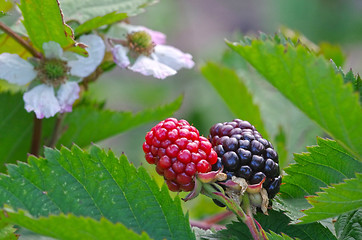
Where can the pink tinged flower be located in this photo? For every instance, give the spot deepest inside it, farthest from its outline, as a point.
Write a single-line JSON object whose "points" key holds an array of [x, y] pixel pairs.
{"points": [[120, 56], [148, 66], [157, 37], [66, 96], [16, 70], [173, 57], [84, 66], [42, 101]]}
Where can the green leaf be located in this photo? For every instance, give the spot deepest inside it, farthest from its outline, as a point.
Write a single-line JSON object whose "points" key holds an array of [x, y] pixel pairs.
{"points": [[349, 225], [234, 93], [7, 232], [278, 222], [76, 227], [324, 165], [9, 45], [5, 6], [43, 21], [334, 52], [274, 236], [16, 128], [96, 185], [281, 147], [310, 82], [88, 9], [99, 21], [17, 125], [335, 200], [79, 122]]}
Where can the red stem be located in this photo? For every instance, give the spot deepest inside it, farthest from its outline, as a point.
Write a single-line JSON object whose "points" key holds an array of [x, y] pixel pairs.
{"points": [[35, 142], [205, 225], [253, 230], [218, 217]]}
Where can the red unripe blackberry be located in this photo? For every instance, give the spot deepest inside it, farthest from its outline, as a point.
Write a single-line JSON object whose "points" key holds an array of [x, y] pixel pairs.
{"points": [[179, 152], [244, 153]]}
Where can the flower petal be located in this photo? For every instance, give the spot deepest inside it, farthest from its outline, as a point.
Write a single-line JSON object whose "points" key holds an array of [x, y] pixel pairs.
{"points": [[66, 95], [157, 37], [84, 66], [148, 66], [52, 50], [16, 70], [120, 56], [42, 101], [173, 57]]}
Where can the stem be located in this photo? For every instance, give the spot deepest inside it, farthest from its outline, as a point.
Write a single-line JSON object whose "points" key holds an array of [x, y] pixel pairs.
{"points": [[255, 232], [35, 142], [218, 217], [56, 131], [20, 40]]}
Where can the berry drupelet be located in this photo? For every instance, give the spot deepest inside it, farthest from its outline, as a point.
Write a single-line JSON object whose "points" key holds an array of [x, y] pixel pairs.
{"points": [[244, 153], [179, 152]]}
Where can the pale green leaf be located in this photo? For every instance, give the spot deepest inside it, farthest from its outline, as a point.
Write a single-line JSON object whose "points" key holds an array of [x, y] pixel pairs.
{"points": [[274, 236], [349, 225], [17, 125], [108, 123], [9, 45], [235, 94], [94, 184], [281, 147], [87, 9], [279, 223], [99, 21], [44, 22], [335, 200], [310, 82], [70, 227]]}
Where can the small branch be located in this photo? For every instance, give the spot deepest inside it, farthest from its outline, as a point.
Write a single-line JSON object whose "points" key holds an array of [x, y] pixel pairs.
{"points": [[20, 40], [56, 131], [35, 142], [218, 217]]}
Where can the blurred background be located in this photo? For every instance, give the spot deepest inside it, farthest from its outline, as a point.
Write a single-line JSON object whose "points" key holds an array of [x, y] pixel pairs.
{"points": [[200, 27]]}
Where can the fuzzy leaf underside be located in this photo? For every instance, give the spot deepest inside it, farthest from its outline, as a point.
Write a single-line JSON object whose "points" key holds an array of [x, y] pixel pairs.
{"points": [[335, 200], [96, 185], [16, 125], [43, 21], [234, 93], [88, 9], [279, 223], [99, 21], [76, 227], [349, 225], [310, 82]]}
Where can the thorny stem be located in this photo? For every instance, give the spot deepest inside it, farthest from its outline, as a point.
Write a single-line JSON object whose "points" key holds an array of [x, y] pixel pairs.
{"points": [[20, 40], [218, 217], [247, 217], [56, 131], [35, 142], [204, 225]]}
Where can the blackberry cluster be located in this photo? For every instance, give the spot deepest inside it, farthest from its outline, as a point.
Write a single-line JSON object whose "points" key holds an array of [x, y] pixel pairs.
{"points": [[179, 152], [246, 154]]}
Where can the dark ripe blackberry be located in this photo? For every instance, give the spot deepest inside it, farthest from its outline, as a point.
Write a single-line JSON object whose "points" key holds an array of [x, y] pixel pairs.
{"points": [[257, 178], [217, 165], [246, 154], [219, 150], [274, 187], [230, 161], [257, 162], [230, 144], [244, 172]]}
